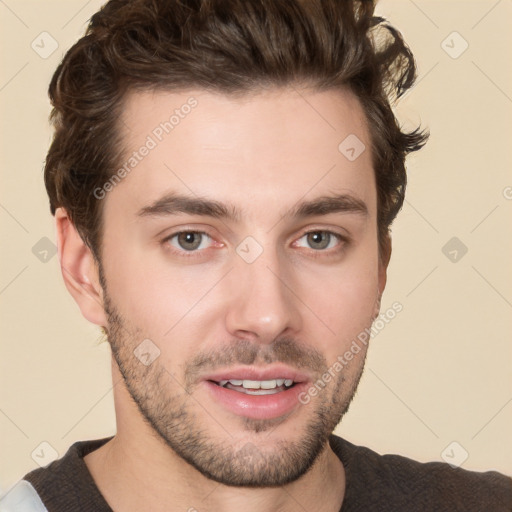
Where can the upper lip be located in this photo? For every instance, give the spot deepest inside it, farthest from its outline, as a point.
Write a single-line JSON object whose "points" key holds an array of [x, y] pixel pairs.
{"points": [[272, 372]]}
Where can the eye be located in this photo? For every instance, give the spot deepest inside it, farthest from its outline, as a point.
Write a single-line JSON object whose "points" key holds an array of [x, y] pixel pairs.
{"points": [[321, 240], [189, 241]]}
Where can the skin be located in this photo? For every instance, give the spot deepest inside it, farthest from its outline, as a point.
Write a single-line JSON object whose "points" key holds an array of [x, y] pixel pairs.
{"points": [[299, 303]]}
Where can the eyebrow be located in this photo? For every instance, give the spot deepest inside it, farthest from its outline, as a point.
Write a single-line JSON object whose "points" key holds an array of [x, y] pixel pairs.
{"points": [[172, 204]]}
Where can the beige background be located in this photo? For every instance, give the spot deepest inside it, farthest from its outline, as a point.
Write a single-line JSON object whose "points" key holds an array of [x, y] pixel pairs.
{"points": [[438, 373]]}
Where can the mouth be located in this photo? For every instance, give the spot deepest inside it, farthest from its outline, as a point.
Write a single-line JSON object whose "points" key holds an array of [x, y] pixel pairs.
{"points": [[257, 387], [258, 393]]}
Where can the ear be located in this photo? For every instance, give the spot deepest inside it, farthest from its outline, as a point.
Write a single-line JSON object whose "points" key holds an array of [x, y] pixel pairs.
{"points": [[384, 257], [79, 270]]}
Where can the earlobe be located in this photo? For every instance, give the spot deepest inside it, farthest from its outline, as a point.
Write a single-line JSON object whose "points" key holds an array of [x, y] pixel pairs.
{"points": [[79, 270], [376, 307]]}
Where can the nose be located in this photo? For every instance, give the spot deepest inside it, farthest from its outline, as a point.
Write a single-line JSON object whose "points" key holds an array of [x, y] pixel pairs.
{"points": [[262, 304]]}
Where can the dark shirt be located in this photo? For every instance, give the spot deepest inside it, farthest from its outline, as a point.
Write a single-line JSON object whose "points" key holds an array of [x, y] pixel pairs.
{"points": [[374, 483]]}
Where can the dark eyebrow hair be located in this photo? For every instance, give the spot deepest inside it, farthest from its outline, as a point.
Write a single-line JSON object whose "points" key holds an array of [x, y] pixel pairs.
{"points": [[172, 204], [324, 205]]}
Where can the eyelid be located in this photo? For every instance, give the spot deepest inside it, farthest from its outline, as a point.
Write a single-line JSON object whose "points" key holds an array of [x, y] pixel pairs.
{"points": [[166, 241], [174, 234], [342, 238], [188, 229]]}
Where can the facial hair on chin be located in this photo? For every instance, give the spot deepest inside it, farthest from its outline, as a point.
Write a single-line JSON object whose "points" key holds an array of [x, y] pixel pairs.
{"points": [[165, 405]]}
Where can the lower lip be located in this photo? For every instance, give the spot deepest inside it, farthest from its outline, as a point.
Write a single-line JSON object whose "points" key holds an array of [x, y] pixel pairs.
{"points": [[257, 407]]}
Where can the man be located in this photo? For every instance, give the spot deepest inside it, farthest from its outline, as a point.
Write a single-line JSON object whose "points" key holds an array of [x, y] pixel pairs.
{"points": [[223, 177]]}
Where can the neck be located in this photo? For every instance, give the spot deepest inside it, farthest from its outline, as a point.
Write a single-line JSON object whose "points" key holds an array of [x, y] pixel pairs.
{"points": [[136, 476]]}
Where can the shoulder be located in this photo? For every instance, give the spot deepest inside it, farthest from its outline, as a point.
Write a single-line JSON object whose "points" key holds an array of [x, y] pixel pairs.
{"points": [[22, 497], [404, 482], [64, 484]]}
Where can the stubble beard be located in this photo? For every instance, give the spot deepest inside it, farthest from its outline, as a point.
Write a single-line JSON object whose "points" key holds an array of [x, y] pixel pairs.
{"points": [[168, 407]]}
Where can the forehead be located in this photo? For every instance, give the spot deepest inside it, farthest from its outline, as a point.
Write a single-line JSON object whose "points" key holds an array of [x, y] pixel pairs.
{"points": [[256, 151]]}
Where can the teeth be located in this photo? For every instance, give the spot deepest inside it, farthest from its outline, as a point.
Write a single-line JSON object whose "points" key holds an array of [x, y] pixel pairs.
{"points": [[251, 384], [257, 384]]}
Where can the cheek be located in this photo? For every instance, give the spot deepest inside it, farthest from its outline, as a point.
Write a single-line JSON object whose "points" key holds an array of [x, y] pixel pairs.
{"points": [[342, 300], [345, 303], [156, 298], [336, 302]]}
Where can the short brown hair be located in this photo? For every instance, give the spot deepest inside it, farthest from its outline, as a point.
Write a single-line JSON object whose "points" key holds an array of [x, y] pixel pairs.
{"points": [[229, 46]]}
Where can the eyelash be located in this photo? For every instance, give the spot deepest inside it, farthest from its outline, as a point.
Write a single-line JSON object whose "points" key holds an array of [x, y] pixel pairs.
{"points": [[316, 253]]}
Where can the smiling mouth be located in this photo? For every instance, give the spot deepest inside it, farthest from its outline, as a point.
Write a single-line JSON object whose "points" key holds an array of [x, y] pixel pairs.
{"points": [[257, 387]]}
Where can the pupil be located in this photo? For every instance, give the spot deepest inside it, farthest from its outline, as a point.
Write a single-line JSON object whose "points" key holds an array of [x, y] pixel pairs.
{"points": [[189, 241], [319, 238]]}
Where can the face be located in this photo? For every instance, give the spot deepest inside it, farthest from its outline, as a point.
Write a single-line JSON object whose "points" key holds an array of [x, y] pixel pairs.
{"points": [[239, 261]]}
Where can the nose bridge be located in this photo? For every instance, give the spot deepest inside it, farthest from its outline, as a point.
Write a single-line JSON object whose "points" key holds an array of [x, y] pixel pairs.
{"points": [[261, 304]]}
